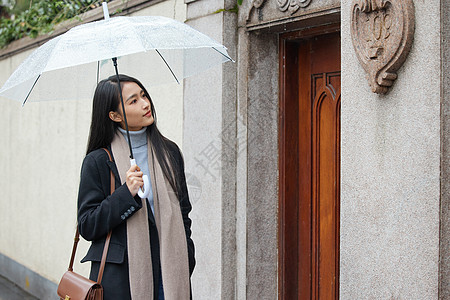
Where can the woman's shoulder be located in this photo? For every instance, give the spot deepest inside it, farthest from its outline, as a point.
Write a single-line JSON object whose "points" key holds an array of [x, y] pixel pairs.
{"points": [[97, 154], [96, 157]]}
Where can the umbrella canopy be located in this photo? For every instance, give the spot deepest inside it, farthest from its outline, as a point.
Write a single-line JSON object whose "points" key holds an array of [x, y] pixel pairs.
{"points": [[169, 49]]}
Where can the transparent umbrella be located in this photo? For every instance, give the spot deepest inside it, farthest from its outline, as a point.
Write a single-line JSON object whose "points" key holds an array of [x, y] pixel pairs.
{"points": [[172, 51], [167, 49]]}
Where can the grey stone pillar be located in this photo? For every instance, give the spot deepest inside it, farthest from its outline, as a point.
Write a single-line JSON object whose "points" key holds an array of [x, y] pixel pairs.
{"points": [[444, 288], [209, 145], [262, 168]]}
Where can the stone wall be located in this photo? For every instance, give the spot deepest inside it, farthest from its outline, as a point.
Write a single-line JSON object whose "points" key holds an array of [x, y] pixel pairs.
{"points": [[390, 170]]}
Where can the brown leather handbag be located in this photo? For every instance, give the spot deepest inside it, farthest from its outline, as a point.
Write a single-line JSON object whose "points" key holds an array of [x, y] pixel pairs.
{"points": [[73, 286]]}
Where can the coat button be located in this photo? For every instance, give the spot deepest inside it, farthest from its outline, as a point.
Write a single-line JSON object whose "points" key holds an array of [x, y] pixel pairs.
{"points": [[132, 208], [129, 211], [125, 214], [122, 217]]}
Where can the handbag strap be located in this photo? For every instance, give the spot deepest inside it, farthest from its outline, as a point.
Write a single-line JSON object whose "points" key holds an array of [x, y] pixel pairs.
{"points": [[108, 237]]}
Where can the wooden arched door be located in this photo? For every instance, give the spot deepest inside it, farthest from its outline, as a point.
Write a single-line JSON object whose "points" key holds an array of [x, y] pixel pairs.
{"points": [[309, 165]]}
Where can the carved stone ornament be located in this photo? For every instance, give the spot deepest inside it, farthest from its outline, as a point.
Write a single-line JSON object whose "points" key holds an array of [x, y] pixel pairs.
{"points": [[254, 4], [292, 5], [382, 33]]}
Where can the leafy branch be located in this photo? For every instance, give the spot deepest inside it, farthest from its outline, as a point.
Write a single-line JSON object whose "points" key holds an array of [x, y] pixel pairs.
{"points": [[40, 17], [235, 9]]}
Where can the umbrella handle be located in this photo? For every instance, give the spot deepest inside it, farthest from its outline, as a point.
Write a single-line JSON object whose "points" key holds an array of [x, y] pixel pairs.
{"points": [[143, 193]]}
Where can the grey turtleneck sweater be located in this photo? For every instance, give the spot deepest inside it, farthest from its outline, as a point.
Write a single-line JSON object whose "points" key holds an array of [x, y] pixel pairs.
{"points": [[140, 153]]}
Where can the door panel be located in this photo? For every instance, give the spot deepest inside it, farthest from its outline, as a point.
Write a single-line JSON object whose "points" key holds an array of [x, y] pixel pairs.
{"points": [[309, 166], [325, 183]]}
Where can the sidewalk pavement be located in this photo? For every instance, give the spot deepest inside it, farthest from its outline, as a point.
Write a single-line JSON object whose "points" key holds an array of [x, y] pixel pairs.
{"points": [[10, 291]]}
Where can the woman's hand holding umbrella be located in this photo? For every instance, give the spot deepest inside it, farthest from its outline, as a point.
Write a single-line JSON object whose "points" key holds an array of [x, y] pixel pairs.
{"points": [[134, 179], [142, 193]]}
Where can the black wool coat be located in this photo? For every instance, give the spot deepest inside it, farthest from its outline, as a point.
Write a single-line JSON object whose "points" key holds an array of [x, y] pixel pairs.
{"points": [[99, 212]]}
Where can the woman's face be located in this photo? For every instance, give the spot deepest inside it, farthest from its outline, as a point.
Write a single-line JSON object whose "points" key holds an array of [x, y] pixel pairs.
{"points": [[137, 108]]}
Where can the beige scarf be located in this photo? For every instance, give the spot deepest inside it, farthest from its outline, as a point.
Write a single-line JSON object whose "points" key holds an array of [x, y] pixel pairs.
{"points": [[172, 236]]}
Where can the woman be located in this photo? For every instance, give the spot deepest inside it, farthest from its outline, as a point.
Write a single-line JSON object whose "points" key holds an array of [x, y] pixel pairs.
{"points": [[151, 254]]}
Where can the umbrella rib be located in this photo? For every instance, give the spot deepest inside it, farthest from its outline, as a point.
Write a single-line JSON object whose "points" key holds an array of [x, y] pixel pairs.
{"points": [[98, 70], [224, 54], [28, 95], [173, 74]]}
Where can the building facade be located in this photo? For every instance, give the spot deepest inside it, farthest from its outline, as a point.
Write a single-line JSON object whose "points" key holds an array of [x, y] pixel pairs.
{"points": [[317, 163], [335, 184]]}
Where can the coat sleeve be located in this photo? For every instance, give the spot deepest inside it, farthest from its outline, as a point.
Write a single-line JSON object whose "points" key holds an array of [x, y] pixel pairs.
{"points": [[99, 212], [186, 208]]}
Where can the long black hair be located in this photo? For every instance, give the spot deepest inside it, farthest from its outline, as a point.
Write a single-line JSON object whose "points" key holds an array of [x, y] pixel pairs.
{"points": [[103, 129]]}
